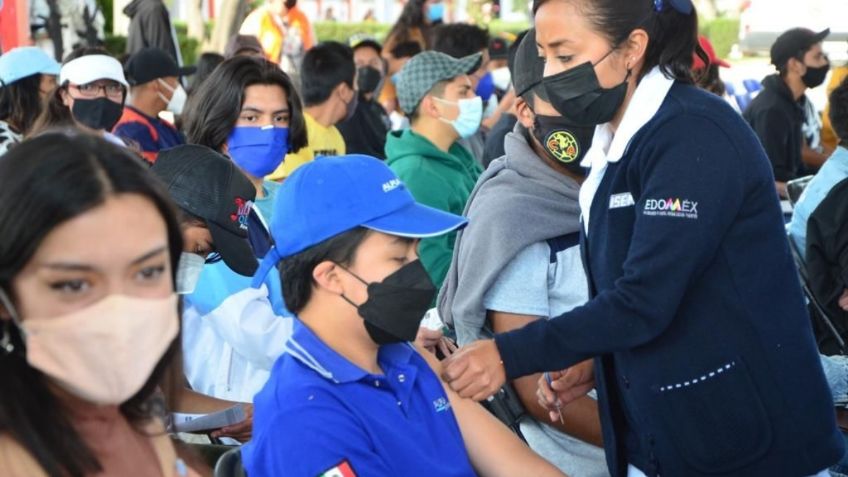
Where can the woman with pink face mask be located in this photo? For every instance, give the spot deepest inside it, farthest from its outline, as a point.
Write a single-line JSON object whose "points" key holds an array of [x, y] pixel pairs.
{"points": [[88, 315]]}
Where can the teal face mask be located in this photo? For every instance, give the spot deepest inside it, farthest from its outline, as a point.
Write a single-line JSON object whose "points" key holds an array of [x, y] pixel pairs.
{"points": [[470, 115]]}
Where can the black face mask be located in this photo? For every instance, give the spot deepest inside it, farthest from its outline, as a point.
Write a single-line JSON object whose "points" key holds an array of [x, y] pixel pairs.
{"points": [[395, 306], [814, 77], [577, 95], [368, 78], [100, 113], [563, 142]]}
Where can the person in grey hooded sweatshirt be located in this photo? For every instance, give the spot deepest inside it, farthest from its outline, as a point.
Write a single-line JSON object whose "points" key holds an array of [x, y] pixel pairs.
{"points": [[519, 259]]}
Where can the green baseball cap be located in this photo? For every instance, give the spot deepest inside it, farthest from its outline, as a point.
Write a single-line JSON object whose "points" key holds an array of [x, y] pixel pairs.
{"points": [[424, 70]]}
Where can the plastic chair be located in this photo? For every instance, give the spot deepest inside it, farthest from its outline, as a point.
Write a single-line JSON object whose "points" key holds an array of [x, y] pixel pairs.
{"points": [[818, 309], [796, 187], [229, 464], [743, 100], [752, 85]]}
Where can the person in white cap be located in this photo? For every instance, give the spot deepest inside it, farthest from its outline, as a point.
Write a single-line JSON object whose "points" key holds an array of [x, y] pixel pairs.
{"points": [[27, 76], [91, 94]]}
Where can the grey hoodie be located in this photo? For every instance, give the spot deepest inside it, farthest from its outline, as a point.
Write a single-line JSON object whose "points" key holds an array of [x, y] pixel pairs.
{"points": [[518, 201]]}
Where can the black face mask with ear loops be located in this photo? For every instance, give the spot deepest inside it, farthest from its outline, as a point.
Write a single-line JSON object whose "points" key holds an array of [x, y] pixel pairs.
{"points": [[578, 96], [396, 305]]}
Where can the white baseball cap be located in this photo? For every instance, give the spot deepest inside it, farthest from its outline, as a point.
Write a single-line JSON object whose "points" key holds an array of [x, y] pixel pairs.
{"points": [[90, 68]]}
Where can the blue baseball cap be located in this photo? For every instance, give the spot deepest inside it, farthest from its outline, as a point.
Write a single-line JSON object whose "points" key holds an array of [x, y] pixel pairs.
{"points": [[25, 61], [331, 195]]}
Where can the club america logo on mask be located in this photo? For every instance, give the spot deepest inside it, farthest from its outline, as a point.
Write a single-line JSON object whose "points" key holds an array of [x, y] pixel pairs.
{"points": [[563, 146]]}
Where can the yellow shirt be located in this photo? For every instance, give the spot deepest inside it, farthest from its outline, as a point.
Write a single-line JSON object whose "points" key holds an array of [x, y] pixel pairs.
{"points": [[323, 141], [828, 136]]}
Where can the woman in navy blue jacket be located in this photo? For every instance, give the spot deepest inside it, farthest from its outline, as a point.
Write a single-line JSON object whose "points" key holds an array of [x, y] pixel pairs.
{"points": [[704, 358]]}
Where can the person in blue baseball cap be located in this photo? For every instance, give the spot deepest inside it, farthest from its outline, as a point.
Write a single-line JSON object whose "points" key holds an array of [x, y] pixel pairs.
{"points": [[351, 395], [27, 76]]}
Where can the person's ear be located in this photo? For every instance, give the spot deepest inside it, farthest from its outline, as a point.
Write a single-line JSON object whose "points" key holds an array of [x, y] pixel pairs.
{"points": [[796, 66], [525, 115], [327, 276], [341, 92], [66, 98], [429, 107], [635, 48]]}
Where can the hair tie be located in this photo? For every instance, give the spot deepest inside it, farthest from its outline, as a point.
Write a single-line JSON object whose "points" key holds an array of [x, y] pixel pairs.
{"points": [[682, 6]]}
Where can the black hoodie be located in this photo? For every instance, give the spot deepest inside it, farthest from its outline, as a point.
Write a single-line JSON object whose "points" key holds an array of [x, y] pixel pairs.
{"points": [[150, 26], [777, 119]]}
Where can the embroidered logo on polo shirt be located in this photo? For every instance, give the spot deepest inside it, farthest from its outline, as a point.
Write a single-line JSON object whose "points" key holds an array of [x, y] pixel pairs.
{"points": [[344, 469], [671, 207], [441, 405], [619, 201]]}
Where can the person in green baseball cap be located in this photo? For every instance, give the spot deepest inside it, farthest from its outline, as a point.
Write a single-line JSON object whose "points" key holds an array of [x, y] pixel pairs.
{"points": [[435, 92]]}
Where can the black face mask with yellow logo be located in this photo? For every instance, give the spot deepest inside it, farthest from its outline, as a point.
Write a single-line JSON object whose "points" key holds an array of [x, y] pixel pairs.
{"points": [[564, 143]]}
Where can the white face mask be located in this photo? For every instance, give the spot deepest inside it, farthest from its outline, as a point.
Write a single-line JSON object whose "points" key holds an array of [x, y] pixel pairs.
{"points": [[491, 107], [501, 78], [178, 97], [188, 272], [106, 352]]}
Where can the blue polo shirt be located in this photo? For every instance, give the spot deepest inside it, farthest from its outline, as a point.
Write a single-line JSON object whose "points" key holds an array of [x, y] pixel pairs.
{"points": [[320, 412]]}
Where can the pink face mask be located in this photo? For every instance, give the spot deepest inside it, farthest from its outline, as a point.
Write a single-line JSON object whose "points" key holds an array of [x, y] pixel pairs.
{"points": [[106, 352]]}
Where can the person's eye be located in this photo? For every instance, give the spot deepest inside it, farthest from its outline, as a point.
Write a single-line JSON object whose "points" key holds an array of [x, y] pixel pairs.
{"points": [[86, 88], [114, 89], [401, 259], [151, 273], [282, 119], [251, 118], [565, 59], [70, 286]]}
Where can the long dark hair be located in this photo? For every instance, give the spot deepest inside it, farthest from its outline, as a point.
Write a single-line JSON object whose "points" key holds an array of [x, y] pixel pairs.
{"points": [[55, 114], [212, 112], [412, 16], [53, 178], [20, 103], [673, 36]]}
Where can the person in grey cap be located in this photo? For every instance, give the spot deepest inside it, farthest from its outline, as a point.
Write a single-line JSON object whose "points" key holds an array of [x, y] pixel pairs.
{"points": [[435, 92], [518, 261]]}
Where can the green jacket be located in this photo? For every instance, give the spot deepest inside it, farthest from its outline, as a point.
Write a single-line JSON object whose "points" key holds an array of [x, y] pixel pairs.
{"points": [[442, 180]]}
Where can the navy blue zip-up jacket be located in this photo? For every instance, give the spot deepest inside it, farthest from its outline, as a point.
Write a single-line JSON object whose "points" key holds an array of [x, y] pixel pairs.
{"points": [[705, 360]]}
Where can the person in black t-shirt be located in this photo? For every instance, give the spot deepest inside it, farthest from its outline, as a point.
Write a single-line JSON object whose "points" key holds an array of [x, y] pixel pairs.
{"points": [[365, 132]]}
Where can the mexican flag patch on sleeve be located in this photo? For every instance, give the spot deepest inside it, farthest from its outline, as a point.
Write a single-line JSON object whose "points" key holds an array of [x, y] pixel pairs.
{"points": [[343, 469]]}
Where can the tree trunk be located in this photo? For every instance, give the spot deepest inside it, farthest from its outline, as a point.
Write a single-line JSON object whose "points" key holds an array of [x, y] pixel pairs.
{"points": [[230, 17], [196, 27]]}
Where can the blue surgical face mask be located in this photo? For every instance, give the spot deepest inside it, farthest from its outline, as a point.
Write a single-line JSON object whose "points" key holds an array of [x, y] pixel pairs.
{"points": [[470, 115], [258, 150], [435, 12]]}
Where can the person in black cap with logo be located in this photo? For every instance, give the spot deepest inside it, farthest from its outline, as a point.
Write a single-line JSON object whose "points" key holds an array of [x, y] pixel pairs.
{"points": [[514, 265], [777, 113], [154, 79], [214, 199]]}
